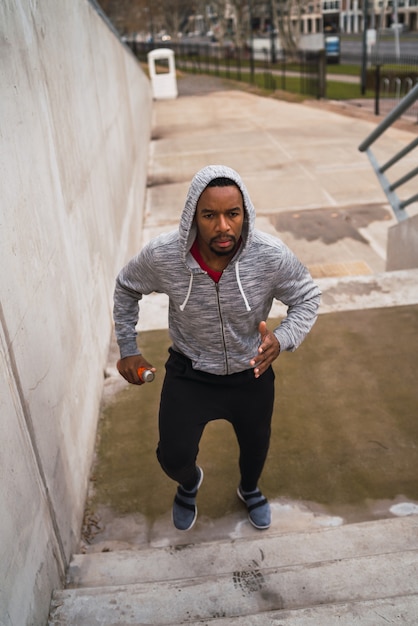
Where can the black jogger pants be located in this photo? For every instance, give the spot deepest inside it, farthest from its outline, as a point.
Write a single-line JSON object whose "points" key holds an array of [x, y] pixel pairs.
{"points": [[191, 398]]}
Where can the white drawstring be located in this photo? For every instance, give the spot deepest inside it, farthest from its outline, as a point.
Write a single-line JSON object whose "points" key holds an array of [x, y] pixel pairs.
{"points": [[183, 306], [247, 306]]}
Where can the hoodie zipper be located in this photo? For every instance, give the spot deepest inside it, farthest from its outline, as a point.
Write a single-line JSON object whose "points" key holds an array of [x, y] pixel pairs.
{"points": [[222, 327]]}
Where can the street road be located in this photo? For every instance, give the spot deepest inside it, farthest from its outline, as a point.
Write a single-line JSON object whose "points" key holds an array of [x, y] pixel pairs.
{"points": [[353, 46]]}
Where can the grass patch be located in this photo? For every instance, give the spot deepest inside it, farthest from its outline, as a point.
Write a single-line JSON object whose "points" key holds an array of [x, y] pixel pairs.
{"points": [[280, 85], [344, 70], [345, 91]]}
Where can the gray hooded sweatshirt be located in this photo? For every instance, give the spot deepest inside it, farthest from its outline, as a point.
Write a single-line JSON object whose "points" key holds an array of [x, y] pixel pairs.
{"points": [[215, 325]]}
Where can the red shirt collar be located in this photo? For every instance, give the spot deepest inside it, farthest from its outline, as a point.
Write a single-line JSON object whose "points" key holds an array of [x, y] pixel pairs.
{"points": [[214, 274]]}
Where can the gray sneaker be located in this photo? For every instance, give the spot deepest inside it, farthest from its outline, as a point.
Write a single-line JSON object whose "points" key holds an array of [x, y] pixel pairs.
{"points": [[184, 505], [258, 508]]}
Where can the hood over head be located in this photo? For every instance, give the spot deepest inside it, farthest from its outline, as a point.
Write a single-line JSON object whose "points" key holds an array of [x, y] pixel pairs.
{"points": [[187, 228]]}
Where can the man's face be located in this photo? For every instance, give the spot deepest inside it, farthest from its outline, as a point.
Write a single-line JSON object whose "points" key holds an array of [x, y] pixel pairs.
{"points": [[219, 220]]}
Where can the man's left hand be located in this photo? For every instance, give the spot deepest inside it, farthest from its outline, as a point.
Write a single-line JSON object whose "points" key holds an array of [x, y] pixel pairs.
{"points": [[268, 351]]}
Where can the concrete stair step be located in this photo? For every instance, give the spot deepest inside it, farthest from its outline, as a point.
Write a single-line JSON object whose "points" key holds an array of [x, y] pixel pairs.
{"points": [[354, 568], [369, 613], [372, 291], [261, 550]]}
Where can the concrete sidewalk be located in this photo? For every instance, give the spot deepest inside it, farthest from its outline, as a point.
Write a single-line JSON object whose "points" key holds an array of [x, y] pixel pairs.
{"points": [[301, 164], [345, 428]]}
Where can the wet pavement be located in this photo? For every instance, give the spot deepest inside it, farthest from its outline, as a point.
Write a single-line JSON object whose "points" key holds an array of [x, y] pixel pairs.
{"points": [[345, 428]]}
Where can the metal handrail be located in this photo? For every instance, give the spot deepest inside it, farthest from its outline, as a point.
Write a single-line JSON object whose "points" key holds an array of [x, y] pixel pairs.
{"points": [[388, 187]]}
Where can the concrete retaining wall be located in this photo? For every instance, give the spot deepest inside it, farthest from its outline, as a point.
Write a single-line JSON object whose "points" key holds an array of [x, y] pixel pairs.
{"points": [[75, 119]]}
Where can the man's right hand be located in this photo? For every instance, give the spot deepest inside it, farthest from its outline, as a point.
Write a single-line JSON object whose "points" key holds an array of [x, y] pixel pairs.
{"points": [[128, 368]]}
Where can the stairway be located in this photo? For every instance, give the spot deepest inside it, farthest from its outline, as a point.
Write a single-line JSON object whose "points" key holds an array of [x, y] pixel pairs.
{"points": [[364, 573], [355, 574]]}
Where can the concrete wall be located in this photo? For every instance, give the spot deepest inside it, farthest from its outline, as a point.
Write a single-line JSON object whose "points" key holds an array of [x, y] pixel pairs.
{"points": [[402, 248], [75, 119]]}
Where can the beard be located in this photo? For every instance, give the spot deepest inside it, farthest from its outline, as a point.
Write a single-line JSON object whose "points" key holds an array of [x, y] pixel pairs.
{"points": [[221, 252]]}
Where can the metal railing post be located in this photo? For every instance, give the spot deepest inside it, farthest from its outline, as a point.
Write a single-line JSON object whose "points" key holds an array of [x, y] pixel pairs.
{"points": [[377, 90], [388, 187]]}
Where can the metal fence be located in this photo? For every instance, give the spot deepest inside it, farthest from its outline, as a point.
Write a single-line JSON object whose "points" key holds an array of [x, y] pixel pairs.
{"points": [[392, 78], [300, 72]]}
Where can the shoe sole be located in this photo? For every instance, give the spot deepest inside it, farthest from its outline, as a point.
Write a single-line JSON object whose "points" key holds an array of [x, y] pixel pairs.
{"points": [[240, 496], [200, 479]]}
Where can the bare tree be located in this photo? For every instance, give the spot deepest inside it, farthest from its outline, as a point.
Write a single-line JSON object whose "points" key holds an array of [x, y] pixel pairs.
{"points": [[126, 15], [148, 16], [289, 13], [241, 20], [174, 15], [219, 26], [171, 16]]}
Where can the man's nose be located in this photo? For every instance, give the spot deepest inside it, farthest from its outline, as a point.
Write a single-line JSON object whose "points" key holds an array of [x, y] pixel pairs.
{"points": [[223, 224]]}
